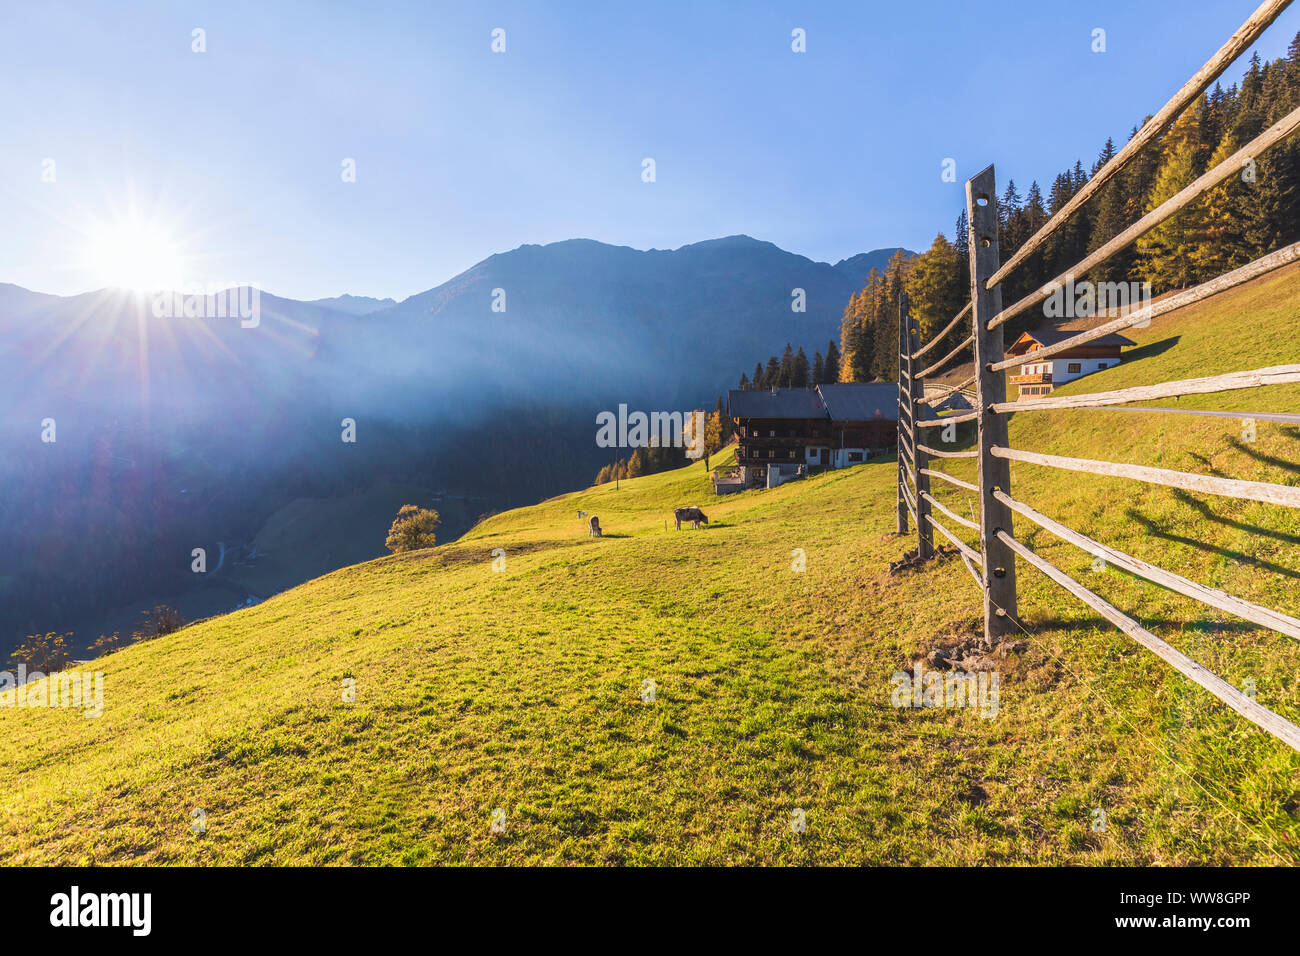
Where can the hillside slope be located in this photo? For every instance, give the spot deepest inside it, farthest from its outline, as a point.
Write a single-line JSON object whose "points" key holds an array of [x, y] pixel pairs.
{"points": [[181, 431], [521, 688]]}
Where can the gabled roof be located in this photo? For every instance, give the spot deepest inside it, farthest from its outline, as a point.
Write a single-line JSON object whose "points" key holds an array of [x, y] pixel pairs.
{"points": [[860, 401], [1043, 337], [844, 402], [775, 403]]}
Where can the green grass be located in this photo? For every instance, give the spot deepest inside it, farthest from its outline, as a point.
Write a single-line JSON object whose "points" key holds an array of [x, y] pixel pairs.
{"points": [[521, 688]]}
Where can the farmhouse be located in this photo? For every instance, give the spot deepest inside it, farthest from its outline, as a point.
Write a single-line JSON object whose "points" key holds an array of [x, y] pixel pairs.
{"points": [[784, 432], [1039, 378]]}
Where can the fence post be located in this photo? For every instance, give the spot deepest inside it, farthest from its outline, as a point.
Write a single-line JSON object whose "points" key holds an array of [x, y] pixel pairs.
{"points": [[990, 387], [916, 391], [904, 405]]}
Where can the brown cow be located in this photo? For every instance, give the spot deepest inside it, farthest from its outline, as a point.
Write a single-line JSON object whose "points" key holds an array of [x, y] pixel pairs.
{"points": [[692, 514], [593, 527]]}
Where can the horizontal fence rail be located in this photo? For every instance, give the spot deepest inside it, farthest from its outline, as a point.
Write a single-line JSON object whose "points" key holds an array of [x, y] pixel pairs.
{"points": [[1257, 714], [1284, 495], [1275, 620], [965, 311], [992, 564], [1247, 273], [1276, 375], [1285, 418]]}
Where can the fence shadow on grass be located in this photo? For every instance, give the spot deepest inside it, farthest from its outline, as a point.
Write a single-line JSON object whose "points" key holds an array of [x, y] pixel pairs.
{"points": [[1239, 556], [1101, 624], [1262, 458]]}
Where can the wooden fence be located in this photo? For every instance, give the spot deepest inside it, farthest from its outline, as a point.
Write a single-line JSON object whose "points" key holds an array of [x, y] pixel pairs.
{"points": [[992, 565]]}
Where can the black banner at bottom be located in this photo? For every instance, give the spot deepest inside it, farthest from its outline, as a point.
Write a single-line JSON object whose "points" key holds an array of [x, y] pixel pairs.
{"points": [[304, 905]]}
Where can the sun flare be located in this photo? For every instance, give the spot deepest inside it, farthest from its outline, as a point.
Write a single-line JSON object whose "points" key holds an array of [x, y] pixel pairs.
{"points": [[132, 255]]}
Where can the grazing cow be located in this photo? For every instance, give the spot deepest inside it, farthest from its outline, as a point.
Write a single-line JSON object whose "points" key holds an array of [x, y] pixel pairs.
{"points": [[692, 514], [593, 527]]}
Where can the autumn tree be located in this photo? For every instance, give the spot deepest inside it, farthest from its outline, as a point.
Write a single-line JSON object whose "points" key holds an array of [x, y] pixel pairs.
{"points": [[413, 529], [46, 653]]}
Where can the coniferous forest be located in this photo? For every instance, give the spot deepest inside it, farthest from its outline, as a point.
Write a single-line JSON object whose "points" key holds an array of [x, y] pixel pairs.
{"points": [[1251, 214]]}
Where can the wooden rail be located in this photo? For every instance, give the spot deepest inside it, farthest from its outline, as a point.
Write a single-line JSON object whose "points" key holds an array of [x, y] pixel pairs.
{"points": [[1252, 270], [1275, 375], [993, 565], [966, 343], [947, 420], [965, 311], [1284, 495], [1275, 620], [1256, 713]]}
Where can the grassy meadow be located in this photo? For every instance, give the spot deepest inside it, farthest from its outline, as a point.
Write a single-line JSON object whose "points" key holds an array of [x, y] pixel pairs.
{"points": [[507, 670]]}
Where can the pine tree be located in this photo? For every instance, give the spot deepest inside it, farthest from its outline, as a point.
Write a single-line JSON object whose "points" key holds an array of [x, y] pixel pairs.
{"points": [[787, 367], [725, 427], [636, 464], [934, 287], [1167, 249], [832, 363], [800, 373], [818, 368], [772, 375], [1219, 221]]}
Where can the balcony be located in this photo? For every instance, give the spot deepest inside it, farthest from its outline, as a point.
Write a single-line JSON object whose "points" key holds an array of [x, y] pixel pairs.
{"points": [[1037, 378], [747, 454]]}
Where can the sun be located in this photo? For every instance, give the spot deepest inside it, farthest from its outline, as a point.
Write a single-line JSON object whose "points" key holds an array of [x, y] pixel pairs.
{"points": [[135, 255]]}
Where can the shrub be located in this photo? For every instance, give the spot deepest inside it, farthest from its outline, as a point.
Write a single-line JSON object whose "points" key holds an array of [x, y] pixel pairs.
{"points": [[110, 643], [46, 653], [412, 529], [161, 620]]}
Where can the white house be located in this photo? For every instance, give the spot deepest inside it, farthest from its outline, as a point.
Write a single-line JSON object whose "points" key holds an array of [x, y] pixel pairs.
{"points": [[1041, 377]]}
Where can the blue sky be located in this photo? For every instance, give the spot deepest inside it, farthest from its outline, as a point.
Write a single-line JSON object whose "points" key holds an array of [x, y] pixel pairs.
{"points": [[460, 152]]}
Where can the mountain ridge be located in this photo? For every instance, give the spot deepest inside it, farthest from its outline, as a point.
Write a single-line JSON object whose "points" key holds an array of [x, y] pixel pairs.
{"points": [[201, 430]]}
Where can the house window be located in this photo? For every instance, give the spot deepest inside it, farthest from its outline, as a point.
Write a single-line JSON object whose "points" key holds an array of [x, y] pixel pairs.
{"points": [[855, 456], [792, 452], [1074, 367]]}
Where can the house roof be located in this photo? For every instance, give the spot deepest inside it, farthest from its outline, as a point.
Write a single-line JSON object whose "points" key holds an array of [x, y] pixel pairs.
{"points": [[845, 402], [775, 403], [1044, 337], [860, 401]]}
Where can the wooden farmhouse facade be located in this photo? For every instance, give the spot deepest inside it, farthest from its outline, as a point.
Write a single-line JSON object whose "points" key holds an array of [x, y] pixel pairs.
{"points": [[784, 433], [1040, 378]]}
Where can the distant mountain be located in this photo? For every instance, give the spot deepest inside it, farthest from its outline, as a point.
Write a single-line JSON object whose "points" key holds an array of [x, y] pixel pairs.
{"points": [[15, 301], [583, 322], [182, 432], [355, 304], [858, 267]]}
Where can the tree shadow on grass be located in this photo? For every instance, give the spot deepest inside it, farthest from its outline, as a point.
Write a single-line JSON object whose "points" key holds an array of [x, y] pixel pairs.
{"points": [[1151, 349]]}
